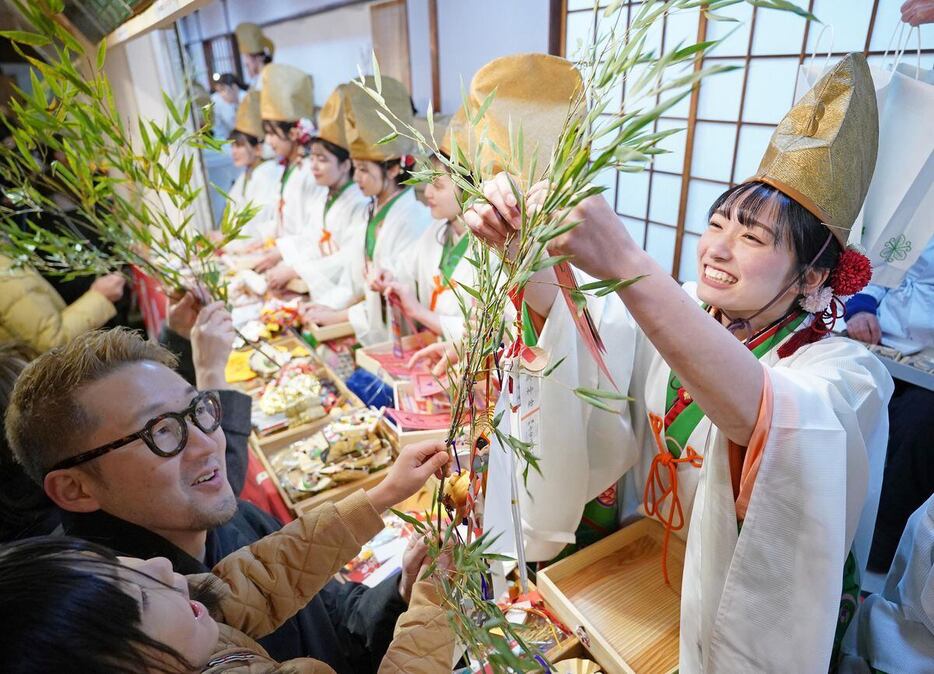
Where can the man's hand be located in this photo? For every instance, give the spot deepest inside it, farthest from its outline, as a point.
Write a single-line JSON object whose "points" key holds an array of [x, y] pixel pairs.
{"points": [[414, 465], [110, 286], [182, 315], [865, 327], [415, 563], [212, 338], [415, 556]]}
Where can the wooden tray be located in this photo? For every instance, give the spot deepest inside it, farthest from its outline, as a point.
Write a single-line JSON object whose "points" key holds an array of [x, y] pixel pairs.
{"points": [[327, 333], [266, 448], [288, 435], [403, 437], [409, 343], [612, 595]]}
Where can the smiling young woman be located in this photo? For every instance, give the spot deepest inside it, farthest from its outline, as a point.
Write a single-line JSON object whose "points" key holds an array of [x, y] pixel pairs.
{"points": [[749, 433]]}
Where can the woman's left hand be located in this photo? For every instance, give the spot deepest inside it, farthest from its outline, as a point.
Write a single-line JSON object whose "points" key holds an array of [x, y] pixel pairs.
{"points": [[279, 276], [379, 280], [406, 296], [598, 244], [317, 314]]}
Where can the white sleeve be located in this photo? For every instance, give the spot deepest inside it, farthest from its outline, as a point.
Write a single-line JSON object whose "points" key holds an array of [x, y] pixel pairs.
{"points": [[583, 450], [782, 582]]}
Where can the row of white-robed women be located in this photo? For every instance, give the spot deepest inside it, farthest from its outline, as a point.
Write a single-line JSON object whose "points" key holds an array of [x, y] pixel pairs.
{"points": [[335, 212], [753, 433]]}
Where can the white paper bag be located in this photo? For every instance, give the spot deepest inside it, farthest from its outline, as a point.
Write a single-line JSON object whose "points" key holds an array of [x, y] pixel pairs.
{"points": [[896, 221]]}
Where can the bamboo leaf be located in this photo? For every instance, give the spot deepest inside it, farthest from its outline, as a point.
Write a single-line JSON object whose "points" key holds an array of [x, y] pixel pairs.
{"points": [[484, 106], [101, 54], [24, 37], [549, 262], [595, 402], [377, 78], [173, 110], [601, 394], [557, 231], [554, 366]]}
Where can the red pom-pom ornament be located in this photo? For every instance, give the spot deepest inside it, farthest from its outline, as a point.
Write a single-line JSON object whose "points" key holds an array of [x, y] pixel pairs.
{"points": [[853, 273]]}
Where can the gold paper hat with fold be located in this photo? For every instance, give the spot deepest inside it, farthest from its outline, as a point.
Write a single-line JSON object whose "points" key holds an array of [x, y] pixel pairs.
{"points": [[363, 127], [331, 123], [534, 92], [823, 152], [287, 94], [252, 40], [249, 120]]}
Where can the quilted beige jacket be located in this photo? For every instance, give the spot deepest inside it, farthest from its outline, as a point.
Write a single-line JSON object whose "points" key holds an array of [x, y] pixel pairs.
{"points": [[264, 584], [32, 311]]}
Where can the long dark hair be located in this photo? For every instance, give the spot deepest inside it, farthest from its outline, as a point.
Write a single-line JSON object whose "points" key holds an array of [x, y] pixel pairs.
{"points": [[230, 80], [403, 174], [244, 138], [792, 224], [339, 153], [63, 609]]}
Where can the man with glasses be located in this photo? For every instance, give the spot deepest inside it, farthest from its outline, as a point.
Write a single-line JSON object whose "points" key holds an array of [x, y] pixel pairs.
{"points": [[134, 456]]}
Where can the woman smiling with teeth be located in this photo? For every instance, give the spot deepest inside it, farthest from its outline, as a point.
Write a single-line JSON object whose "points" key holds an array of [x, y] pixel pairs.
{"points": [[751, 434]]}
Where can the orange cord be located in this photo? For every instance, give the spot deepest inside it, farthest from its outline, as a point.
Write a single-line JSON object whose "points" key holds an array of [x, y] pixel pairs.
{"points": [[656, 491]]}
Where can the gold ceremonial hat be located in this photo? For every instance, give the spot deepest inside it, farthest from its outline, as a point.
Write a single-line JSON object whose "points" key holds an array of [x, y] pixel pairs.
{"points": [[534, 92], [331, 118], [287, 94], [252, 40], [249, 120], [363, 126], [823, 152]]}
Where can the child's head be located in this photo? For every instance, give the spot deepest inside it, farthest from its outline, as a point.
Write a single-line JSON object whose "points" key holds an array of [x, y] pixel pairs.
{"points": [[69, 605]]}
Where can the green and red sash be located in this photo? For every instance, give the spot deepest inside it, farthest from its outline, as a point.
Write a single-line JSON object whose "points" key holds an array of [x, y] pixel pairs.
{"points": [[682, 414], [372, 227]]}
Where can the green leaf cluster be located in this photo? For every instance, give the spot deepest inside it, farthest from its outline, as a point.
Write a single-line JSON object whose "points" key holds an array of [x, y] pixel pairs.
{"points": [[116, 198]]}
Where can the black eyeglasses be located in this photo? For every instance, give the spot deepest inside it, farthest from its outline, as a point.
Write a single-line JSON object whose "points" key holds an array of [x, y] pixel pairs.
{"points": [[166, 435]]}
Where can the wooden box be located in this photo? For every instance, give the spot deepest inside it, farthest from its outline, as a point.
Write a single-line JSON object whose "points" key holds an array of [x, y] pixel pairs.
{"points": [[327, 333], [407, 437], [266, 448], [613, 597], [288, 435], [410, 343]]}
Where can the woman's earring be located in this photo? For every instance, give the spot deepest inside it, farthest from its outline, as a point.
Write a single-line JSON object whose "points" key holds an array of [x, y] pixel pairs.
{"points": [[817, 301]]}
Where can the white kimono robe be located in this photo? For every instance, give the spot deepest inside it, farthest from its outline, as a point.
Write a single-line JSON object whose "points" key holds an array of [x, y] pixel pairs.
{"points": [[404, 223], [427, 275], [329, 275], [583, 450], [261, 189], [765, 599], [894, 631], [296, 221]]}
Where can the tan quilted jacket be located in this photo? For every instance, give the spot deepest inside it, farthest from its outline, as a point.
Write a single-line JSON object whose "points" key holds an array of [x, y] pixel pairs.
{"points": [[264, 584], [32, 311]]}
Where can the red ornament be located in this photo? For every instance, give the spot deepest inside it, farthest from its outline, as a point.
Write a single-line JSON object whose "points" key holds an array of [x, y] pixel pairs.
{"points": [[853, 272]]}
